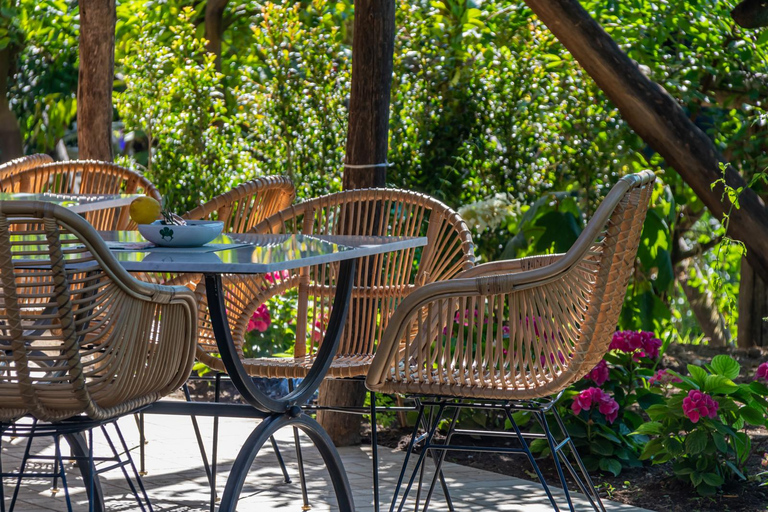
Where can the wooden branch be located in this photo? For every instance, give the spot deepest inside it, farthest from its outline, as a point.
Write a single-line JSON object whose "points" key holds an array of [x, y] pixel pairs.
{"points": [[660, 121], [11, 144], [95, 79], [696, 250], [751, 13]]}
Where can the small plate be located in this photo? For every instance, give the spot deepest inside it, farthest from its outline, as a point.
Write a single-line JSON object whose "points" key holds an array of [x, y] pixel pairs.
{"points": [[194, 234]]}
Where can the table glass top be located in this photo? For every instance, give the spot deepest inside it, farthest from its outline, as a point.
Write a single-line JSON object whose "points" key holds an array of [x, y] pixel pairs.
{"points": [[78, 203], [245, 253]]}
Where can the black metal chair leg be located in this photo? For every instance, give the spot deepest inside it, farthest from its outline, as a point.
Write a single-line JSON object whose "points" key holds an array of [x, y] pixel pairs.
{"points": [[374, 453], [300, 461], [116, 457], [597, 504], [142, 446], [280, 461], [136, 474], [58, 458], [22, 469], [555, 456], [443, 483], [531, 459], [430, 435], [439, 464], [414, 434], [2, 480]]}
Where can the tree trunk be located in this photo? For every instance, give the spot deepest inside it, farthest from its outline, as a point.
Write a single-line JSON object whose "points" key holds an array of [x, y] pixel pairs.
{"points": [[704, 308], [660, 121], [11, 144], [753, 309], [367, 141], [95, 79], [751, 13], [214, 27]]}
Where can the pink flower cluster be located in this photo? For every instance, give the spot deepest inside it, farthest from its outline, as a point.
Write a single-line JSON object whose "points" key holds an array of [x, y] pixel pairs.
{"points": [[260, 320], [277, 276], [632, 341], [699, 405], [662, 378], [762, 372], [596, 396], [599, 373]]}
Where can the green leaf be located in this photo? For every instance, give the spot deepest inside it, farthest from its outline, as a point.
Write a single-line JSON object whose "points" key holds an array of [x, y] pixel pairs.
{"points": [[726, 366], [720, 442], [696, 441], [651, 449], [719, 384], [611, 465], [648, 399], [601, 447], [705, 489], [698, 374], [712, 479], [650, 428], [752, 415]]}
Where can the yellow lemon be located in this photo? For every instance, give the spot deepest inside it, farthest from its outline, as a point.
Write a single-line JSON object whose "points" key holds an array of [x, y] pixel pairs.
{"points": [[145, 210]]}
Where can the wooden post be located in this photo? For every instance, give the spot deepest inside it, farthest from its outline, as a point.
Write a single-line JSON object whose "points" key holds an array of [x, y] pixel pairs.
{"points": [[11, 145], [95, 79], [214, 27], [367, 141], [660, 121]]}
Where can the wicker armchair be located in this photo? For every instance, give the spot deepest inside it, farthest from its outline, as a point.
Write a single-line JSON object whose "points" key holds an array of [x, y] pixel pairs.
{"points": [[384, 280], [84, 177], [247, 204], [23, 163], [521, 330], [104, 344]]}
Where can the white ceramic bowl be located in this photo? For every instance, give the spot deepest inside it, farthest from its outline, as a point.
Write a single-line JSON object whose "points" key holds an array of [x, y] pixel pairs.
{"points": [[194, 234]]}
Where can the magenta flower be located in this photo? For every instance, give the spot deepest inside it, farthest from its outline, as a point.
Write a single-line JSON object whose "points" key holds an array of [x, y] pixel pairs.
{"points": [[662, 378], [260, 320], [599, 373], [606, 405], [631, 342], [699, 405], [762, 372], [277, 276]]}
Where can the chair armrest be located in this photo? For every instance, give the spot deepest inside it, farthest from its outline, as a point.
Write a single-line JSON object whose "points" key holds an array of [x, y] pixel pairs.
{"points": [[510, 266]]}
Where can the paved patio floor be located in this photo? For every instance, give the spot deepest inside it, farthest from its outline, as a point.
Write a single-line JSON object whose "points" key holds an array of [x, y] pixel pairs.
{"points": [[176, 480]]}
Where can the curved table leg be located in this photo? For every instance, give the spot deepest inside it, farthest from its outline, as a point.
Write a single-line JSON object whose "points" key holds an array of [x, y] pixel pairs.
{"points": [[229, 355], [261, 435]]}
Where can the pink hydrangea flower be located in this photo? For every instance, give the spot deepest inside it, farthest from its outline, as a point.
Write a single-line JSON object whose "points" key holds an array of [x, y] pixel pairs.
{"points": [[260, 320], [762, 372], [639, 343], [606, 405], [599, 373], [699, 405], [277, 276], [317, 331], [662, 378]]}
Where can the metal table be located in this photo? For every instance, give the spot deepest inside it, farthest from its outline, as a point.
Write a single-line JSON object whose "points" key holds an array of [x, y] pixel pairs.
{"points": [[78, 203], [256, 254]]}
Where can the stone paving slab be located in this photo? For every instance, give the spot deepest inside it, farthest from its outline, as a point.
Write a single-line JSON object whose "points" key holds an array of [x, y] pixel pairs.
{"points": [[176, 480]]}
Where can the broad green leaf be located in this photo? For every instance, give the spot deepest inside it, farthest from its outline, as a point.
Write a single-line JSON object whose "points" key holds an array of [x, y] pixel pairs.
{"points": [[652, 428], [752, 415], [712, 479], [611, 465], [696, 441], [726, 366], [698, 374]]}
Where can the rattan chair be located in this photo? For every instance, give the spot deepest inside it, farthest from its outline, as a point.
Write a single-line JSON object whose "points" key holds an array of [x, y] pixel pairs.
{"points": [[84, 177], [382, 281], [83, 342], [247, 204], [515, 332], [23, 163]]}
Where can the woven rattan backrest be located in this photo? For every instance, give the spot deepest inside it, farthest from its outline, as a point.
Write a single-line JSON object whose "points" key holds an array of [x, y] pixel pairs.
{"points": [[84, 177], [23, 163], [78, 334], [247, 204], [523, 328], [382, 281]]}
